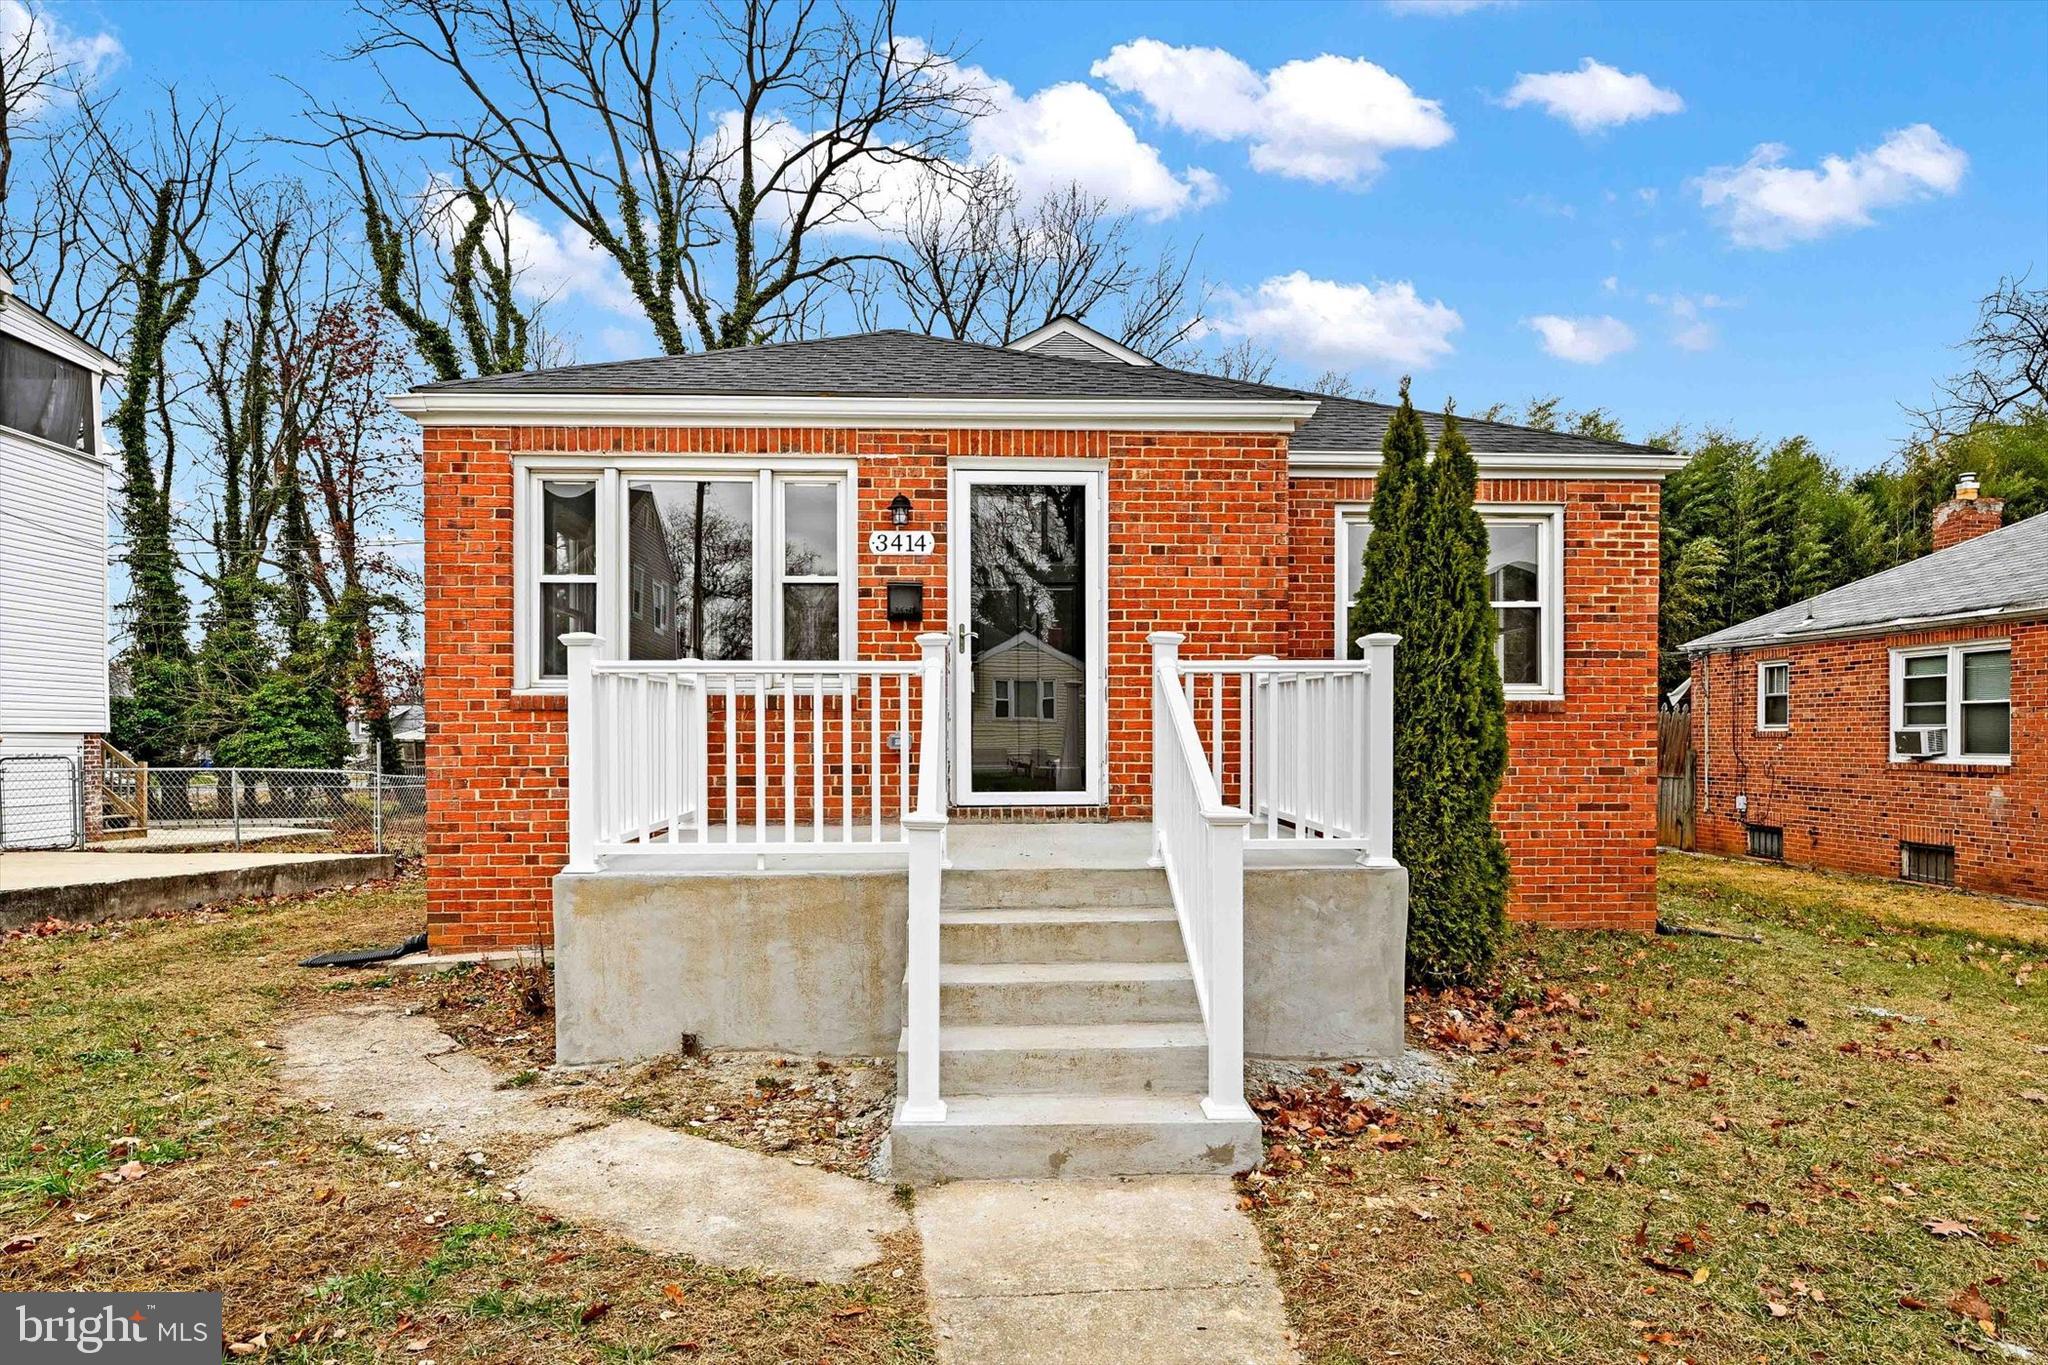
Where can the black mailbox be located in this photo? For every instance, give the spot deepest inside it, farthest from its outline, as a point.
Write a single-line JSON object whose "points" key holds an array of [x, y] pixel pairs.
{"points": [[906, 601]]}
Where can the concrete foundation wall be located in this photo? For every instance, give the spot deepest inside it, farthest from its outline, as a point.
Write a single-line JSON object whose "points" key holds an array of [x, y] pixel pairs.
{"points": [[813, 963], [1325, 960], [793, 962]]}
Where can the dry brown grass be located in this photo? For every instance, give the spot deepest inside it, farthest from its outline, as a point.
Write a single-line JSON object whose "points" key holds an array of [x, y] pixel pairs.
{"points": [[149, 1042], [1699, 1149], [1876, 898]]}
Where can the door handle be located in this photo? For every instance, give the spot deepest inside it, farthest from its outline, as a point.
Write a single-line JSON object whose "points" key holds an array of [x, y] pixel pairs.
{"points": [[965, 635]]}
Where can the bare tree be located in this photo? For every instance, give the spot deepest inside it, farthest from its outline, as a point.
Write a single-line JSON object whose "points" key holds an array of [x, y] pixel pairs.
{"points": [[713, 191], [1247, 360], [2009, 370], [979, 264]]}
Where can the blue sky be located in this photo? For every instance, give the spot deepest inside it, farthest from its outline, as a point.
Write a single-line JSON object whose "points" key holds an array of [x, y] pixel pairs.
{"points": [[1376, 188]]}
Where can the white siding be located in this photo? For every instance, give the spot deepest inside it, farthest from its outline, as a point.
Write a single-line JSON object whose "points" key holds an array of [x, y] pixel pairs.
{"points": [[53, 588]]}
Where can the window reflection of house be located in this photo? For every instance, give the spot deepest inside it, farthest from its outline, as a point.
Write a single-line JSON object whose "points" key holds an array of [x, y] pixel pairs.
{"points": [[1028, 714], [650, 629]]}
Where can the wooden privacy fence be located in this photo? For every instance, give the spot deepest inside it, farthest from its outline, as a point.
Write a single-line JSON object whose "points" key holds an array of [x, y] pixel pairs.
{"points": [[1676, 815]]}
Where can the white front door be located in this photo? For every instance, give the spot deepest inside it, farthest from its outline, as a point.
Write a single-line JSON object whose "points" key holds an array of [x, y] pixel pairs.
{"points": [[1028, 546]]}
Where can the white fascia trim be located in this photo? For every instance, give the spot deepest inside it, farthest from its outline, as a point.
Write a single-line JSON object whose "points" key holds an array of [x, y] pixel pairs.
{"points": [[666, 410], [1067, 327], [1624, 464], [24, 321], [1901, 625]]}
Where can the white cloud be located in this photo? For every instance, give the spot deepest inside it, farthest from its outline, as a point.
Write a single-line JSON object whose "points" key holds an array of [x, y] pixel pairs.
{"points": [[551, 264], [1339, 325], [1611, 284], [1765, 203], [1069, 133], [1594, 98], [1583, 340], [1328, 119], [1691, 329], [71, 60]]}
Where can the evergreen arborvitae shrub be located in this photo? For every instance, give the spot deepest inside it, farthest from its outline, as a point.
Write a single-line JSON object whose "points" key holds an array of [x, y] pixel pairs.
{"points": [[1459, 731], [1424, 579]]}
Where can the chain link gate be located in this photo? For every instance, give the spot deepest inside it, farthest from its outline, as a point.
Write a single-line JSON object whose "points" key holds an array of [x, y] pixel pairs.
{"points": [[40, 803]]}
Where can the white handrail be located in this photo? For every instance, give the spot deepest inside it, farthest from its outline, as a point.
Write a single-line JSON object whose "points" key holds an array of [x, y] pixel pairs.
{"points": [[1201, 842], [925, 830]]}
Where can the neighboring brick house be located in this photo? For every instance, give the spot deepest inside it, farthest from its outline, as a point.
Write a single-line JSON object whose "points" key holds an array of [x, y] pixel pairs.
{"points": [[1232, 512], [1891, 726]]}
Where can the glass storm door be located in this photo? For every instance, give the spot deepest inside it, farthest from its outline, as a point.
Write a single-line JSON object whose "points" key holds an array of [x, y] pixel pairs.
{"points": [[1027, 636]]}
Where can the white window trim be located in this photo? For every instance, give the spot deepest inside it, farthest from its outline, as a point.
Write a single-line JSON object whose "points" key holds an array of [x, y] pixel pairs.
{"points": [[1763, 671], [1000, 705], [1953, 720], [1550, 575], [611, 473]]}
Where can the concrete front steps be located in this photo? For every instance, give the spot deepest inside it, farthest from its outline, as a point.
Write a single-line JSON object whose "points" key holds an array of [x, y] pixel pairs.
{"points": [[1070, 1037]]}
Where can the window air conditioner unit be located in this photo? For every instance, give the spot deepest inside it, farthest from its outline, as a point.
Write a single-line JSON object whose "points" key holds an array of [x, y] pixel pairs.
{"points": [[1920, 743]]}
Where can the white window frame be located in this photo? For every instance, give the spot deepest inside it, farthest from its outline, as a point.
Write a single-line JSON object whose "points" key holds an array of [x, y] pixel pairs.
{"points": [[612, 475], [780, 580], [999, 703], [1953, 703], [1550, 584], [1763, 673]]}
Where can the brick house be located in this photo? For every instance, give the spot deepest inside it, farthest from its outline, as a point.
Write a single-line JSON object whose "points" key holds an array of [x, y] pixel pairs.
{"points": [[1075, 617], [1883, 727]]}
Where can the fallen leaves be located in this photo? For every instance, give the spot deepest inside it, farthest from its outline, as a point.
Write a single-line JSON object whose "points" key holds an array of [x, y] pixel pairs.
{"points": [[594, 1312], [1969, 1302], [1949, 1227]]}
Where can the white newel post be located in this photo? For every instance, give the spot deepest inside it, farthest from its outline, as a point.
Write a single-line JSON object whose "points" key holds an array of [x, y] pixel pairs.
{"points": [[1379, 749], [1227, 830], [583, 774], [924, 830], [1165, 666]]}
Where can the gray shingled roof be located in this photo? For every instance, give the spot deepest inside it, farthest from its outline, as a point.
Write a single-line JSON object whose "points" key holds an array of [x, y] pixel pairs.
{"points": [[895, 364], [2002, 573]]}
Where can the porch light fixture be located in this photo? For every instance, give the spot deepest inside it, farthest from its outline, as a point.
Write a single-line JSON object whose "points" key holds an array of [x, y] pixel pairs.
{"points": [[899, 510]]}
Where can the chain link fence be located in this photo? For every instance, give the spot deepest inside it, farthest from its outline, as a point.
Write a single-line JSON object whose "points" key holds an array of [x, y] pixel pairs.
{"points": [[40, 802], [289, 810]]}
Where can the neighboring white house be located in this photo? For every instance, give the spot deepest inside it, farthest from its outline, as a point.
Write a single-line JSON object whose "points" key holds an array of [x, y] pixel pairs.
{"points": [[53, 578]]}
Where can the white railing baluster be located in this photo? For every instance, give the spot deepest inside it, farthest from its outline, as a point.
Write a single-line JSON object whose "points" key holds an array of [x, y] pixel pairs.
{"points": [[875, 760], [818, 759], [584, 757], [760, 758]]}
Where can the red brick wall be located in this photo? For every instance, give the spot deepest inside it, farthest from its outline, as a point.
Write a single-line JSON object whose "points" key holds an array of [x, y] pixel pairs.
{"points": [[1579, 806], [1961, 519], [1187, 549], [1828, 781]]}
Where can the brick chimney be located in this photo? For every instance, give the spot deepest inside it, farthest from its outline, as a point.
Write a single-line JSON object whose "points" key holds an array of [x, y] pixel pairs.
{"points": [[1966, 515]]}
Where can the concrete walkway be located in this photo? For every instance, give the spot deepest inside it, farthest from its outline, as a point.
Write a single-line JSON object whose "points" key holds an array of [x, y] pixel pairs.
{"points": [[660, 1189], [87, 888], [1162, 1270]]}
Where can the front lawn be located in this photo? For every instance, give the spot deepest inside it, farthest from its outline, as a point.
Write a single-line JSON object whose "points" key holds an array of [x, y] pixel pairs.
{"points": [[145, 1143], [1832, 1146], [1828, 1146]]}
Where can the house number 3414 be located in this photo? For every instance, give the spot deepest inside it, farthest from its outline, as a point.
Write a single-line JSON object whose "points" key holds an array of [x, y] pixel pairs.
{"points": [[899, 542]]}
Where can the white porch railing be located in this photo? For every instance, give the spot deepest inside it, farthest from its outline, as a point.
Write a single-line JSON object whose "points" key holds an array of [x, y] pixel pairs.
{"points": [[705, 761], [738, 761], [1307, 747]]}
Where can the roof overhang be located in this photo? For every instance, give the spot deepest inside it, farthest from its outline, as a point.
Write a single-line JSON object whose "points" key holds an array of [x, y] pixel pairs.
{"points": [[1621, 463], [1988, 616], [26, 322], [454, 407]]}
